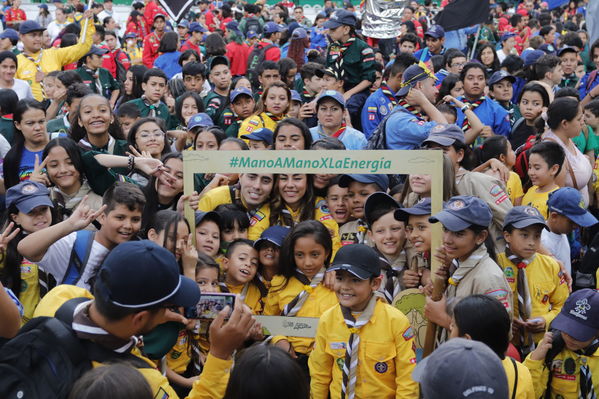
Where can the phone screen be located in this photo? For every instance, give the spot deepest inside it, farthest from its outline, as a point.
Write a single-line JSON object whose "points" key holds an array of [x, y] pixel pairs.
{"points": [[210, 305]]}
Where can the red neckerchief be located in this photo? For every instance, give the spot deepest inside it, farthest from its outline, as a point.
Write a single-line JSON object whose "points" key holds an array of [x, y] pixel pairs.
{"points": [[410, 108], [340, 131], [388, 93]]}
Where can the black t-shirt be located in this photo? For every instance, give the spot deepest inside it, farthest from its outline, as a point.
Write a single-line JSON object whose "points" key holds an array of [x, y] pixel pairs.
{"points": [[520, 134]]}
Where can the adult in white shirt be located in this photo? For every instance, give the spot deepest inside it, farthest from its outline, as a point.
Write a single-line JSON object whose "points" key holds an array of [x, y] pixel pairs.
{"points": [[58, 24], [8, 70], [107, 11], [508, 46]]}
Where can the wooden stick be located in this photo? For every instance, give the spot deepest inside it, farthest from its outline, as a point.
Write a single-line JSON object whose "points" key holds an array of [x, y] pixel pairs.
{"points": [[85, 21], [431, 329]]}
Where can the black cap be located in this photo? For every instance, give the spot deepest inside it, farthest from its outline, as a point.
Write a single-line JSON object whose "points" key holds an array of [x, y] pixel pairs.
{"points": [[358, 259], [378, 200]]}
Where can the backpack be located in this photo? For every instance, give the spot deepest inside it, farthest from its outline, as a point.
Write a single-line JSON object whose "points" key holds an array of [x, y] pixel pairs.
{"points": [[584, 276], [255, 59], [121, 71], [82, 248], [378, 139], [252, 24], [46, 358]]}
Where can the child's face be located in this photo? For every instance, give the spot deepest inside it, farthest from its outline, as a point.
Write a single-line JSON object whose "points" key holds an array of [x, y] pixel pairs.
{"points": [[150, 137], [580, 72], [155, 88], [49, 84], [539, 171], [289, 137], [353, 292], [206, 140], [258, 145], [421, 184], [388, 235], [524, 242], [531, 105], [61, 170], [358, 192], [39, 218], [294, 110], [207, 279], [309, 256], [561, 224], [337, 202], [231, 234], [331, 83], [569, 62], [120, 224], [314, 85], [243, 106], [502, 90], [590, 119], [220, 76], [557, 74], [510, 159], [418, 231], [276, 101], [575, 345], [126, 123], [189, 108], [292, 188], [169, 187], [174, 246], [460, 244], [451, 118], [458, 90], [269, 255], [241, 265], [208, 238], [193, 83]]}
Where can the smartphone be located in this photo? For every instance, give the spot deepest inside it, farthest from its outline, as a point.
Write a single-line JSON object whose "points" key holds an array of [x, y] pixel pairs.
{"points": [[210, 305]]}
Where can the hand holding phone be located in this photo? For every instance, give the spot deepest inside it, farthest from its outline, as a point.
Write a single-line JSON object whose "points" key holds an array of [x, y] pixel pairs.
{"points": [[210, 305]]}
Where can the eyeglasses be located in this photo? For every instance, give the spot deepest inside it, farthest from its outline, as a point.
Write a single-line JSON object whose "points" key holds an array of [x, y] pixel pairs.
{"points": [[459, 65]]}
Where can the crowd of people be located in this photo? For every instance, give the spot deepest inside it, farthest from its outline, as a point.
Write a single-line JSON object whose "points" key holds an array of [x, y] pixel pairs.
{"points": [[100, 266]]}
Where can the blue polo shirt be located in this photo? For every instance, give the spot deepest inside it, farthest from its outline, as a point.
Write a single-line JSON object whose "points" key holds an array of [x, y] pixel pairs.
{"points": [[425, 54], [406, 131], [352, 139], [582, 90], [491, 114]]}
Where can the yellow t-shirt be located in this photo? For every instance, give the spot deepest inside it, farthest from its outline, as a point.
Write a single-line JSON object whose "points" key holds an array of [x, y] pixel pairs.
{"points": [[537, 200], [256, 122], [524, 386], [253, 298], [514, 187], [29, 293]]}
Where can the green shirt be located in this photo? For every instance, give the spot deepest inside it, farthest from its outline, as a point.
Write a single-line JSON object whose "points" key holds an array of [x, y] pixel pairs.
{"points": [[161, 112], [7, 129], [585, 144], [358, 62], [58, 125], [107, 84], [233, 129], [215, 105]]}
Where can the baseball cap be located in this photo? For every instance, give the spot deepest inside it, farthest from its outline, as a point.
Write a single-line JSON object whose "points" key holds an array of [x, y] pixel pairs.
{"points": [[422, 207], [499, 76], [462, 211], [274, 234], [28, 195], [299, 33], [568, 201], [547, 48], [327, 71], [445, 135], [140, 274], [358, 259], [271, 27], [251, 34], [335, 95], [579, 317], [262, 134], [380, 180], [97, 51], [30, 26], [217, 60], [233, 25], [68, 9], [9, 34], [196, 27], [159, 15], [202, 119], [565, 49], [435, 31], [241, 91], [413, 74], [462, 368], [507, 35], [523, 216], [295, 96], [339, 18], [130, 35], [44, 6], [378, 200], [531, 56], [211, 215], [183, 24], [292, 27]]}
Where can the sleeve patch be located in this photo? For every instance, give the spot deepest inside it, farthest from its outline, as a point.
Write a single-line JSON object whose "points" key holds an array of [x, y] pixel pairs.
{"points": [[408, 334], [367, 51], [500, 295]]}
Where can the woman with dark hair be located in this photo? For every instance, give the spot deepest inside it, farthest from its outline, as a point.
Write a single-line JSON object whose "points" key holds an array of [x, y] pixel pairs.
{"points": [[288, 71], [187, 105], [292, 134], [8, 70], [237, 52], [272, 108], [168, 60], [298, 46], [137, 24], [147, 136], [215, 45], [132, 86], [488, 57]]}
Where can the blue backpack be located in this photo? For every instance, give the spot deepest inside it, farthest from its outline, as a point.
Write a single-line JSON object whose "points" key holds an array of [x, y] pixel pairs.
{"points": [[79, 257]]}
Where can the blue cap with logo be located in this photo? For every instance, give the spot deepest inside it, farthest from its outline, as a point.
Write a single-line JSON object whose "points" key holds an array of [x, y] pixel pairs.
{"points": [[9, 34], [531, 56], [579, 317], [380, 180], [142, 274], [339, 18], [507, 35], [295, 96], [547, 48], [234, 26], [463, 211], [335, 95], [499, 76], [299, 33], [360, 260], [444, 135], [274, 234], [202, 119], [271, 27], [568, 201], [521, 217], [241, 91], [251, 34], [412, 75], [196, 27], [262, 134], [94, 50], [376, 201], [421, 208], [28, 195], [130, 35], [435, 31], [30, 26]]}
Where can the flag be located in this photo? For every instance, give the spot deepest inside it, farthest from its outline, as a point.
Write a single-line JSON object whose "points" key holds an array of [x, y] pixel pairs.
{"points": [[556, 3], [463, 13], [176, 9], [592, 18]]}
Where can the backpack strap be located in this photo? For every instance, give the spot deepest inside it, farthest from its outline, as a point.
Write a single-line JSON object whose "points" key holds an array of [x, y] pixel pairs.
{"points": [[79, 257], [515, 378], [591, 79]]}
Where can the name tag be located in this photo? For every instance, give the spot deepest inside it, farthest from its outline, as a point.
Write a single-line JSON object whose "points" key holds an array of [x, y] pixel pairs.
{"points": [[304, 327]]}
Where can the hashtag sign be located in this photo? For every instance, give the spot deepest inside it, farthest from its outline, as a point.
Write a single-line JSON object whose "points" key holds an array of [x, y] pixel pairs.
{"points": [[233, 162]]}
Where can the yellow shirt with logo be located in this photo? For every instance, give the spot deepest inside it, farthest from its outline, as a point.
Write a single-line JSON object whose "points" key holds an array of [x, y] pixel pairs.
{"points": [[537, 200], [524, 387], [29, 294], [386, 356], [514, 187], [320, 299], [253, 297], [547, 287], [52, 59], [256, 122]]}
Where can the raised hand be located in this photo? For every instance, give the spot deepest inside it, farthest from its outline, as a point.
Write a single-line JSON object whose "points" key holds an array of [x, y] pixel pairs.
{"points": [[83, 215], [7, 235], [38, 174]]}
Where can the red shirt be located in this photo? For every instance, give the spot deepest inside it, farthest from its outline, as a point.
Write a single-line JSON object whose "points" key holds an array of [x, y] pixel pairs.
{"points": [[109, 60], [152, 8], [14, 14], [238, 56], [272, 54], [150, 49], [190, 46], [140, 28]]}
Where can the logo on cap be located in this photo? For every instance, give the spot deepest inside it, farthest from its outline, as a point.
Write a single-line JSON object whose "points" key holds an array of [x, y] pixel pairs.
{"points": [[581, 204], [531, 211], [28, 189], [456, 205], [582, 306]]}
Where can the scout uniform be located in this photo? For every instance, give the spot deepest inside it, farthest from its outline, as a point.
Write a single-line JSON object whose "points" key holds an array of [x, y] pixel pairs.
{"points": [[231, 123], [250, 294], [377, 106], [523, 385], [150, 47], [254, 122], [7, 128], [32, 67], [158, 110], [436, 32], [489, 112], [99, 81], [215, 103], [538, 200], [384, 359], [353, 59], [59, 125]]}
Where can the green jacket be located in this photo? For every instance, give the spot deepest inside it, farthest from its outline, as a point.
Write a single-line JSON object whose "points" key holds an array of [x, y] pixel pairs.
{"points": [[358, 62], [215, 105], [107, 82], [7, 129], [161, 112], [58, 125]]}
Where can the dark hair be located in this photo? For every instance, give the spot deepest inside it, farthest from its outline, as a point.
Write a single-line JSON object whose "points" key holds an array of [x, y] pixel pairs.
{"points": [[266, 372], [298, 124], [492, 147], [126, 194], [237, 243], [267, 66], [78, 132], [537, 88], [176, 87], [512, 63], [169, 42], [8, 54], [328, 143], [12, 160], [286, 65], [592, 106], [572, 39], [72, 151], [68, 39], [567, 92], [308, 70], [438, 62], [117, 381], [241, 143], [377, 213], [154, 72], [167, 220], [400, 64], [484, 319], [137, 72], [563, 108], [138, 123], [472, 65], [8, 101], [215, 45], [448, 84], [545, 29], [410, 37], [99, 31], [187, 55], [129, 110], [447, 109], [105, 22], [278, 210], [77, 90], [183, 97], [216, 131], [546, 63], [594, 46], [68, 78], [307, 228], [515, 20], [230, 215], [451, 54], [551, 152], [109, 32], [193, 69], [205, 262]]}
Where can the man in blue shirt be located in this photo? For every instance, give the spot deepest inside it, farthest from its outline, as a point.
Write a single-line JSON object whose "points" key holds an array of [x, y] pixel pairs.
{"points": [[435, 38], [590, 81]]}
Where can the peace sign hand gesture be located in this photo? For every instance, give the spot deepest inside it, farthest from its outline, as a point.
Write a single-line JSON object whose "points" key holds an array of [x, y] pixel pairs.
{"points": [[83, 215], [38, 174], [7, 236]]}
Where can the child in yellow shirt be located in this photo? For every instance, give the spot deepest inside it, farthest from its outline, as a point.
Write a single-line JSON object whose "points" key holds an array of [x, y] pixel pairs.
{"points": [[269, 250]]}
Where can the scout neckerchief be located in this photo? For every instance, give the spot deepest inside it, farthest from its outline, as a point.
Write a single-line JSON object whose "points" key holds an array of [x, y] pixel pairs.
{"points": [[392, 286], [361, 231], [389, 94], [461, 269], [108, 148], [350, 367], [337, 133], [275, 118], [341, 48], [95, 77], [37, 63], [153, 107], [296, 303], [524, 300], [587, 390], [473, 105], [307, 96], [410, 108], [244, 291]]}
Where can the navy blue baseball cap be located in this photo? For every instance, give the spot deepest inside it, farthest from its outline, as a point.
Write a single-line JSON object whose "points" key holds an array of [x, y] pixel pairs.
{"points": [[95, 50], [380, 180], [358, 259], [579, 317], [202, 119], [463, 211], [183, 24], [339, 18], [142, 274], [295, 96], [9, 34], [274, 234], [44, 6], [421, 208], [499, 76], [200, 216], [196, 27], [271, 27], [233, 25], [566, 49], [531, 56], [28, 195], [523, 216], [444, 135], [435, 31], [241, 91], [130, 35], [299, 33], [547, 48], [321, 72], [412, 75], [335, 95], [262, 134], [568, 201], [507, 35], [217, 60], [376, 201], [30, 26], [251, 34]]}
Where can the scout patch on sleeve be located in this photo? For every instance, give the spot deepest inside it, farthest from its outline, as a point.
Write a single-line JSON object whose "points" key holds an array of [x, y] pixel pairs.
{"points": [[337, 345], [500, 295], [498, 194], [408, 334], [367, 51], [161, 394], [258, 216]]}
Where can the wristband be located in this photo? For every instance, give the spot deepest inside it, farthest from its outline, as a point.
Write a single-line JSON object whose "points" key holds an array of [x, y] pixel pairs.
{"points": [[465, 108]]}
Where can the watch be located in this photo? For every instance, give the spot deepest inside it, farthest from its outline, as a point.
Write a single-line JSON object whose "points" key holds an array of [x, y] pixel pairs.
{"points": [[465, 108]]}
